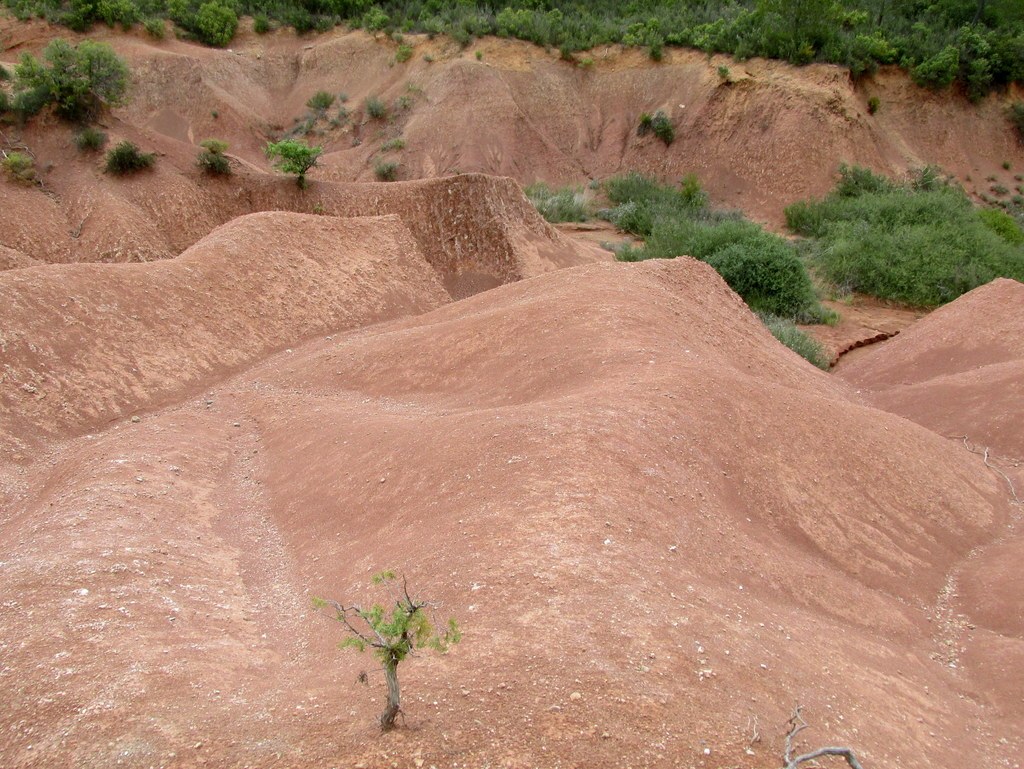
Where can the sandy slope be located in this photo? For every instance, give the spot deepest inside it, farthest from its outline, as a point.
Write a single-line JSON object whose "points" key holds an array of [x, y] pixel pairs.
{"points": [[616, 479]]}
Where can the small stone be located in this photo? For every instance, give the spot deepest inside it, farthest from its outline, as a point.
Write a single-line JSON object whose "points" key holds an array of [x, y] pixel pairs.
{"points": [[707, 751], [418, 762], [575, 696], [383, 480], [136, 419], [605, 736], [139, 479], [236, 424]]}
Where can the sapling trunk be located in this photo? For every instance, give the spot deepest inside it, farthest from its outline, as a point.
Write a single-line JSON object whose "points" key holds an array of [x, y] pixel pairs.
{"points": [[394, 706]]}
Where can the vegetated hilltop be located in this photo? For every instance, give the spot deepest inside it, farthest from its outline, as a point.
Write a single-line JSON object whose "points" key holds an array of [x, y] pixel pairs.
{"points": [[626, 491], [767, 135]]}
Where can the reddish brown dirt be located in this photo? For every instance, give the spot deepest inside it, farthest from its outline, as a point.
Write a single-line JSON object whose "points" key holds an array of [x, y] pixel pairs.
{"points": [[863, 321], [615, 478]]}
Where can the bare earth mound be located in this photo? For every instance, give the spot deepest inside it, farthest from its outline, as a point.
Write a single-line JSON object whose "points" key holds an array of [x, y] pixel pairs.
{"points": [[625, 489], [85, 344], [959, 371]]}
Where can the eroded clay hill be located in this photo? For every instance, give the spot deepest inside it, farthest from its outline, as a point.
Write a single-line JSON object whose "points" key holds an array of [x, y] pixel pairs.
{"points": [[769, 135], [960, 372], [659, 528]]}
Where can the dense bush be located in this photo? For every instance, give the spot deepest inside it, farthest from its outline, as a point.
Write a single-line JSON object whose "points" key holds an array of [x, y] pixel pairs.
{"points": [[375, 108], [659, 124], [126, 158], [321, 101], [19, 167], [762, 268], [212, 160], [385, 170], [90, 139], [77, 80], [921, 242], [155, 27], [979, 43], [565, 205]]}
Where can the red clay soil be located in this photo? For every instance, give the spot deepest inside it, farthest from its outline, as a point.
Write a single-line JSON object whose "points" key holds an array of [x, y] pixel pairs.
{"points": [[959, 371], [659, 528]]}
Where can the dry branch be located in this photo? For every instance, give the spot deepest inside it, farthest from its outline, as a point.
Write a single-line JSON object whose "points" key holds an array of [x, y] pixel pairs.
{"points": [[797, 725]]}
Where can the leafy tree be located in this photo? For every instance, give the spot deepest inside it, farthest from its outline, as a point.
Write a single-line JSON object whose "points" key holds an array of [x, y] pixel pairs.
{"points": [[293, 157], [78, 80], [393, 633]]}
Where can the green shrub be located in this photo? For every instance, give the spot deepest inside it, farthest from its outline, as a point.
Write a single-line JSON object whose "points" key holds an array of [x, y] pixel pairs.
{"points": [[114, 12], [90, 139], [375, 108], [924, 246], [156, 28], [260, 24], [321, 101], [565, 205], [212, 160], [874, 103], [215, 23], [656, 50], [20, 167], [4, 73], [724, 74], [126, 158], [796, 340], [385, 170], [403, 54], [293, 157], [78, 80], [392, 145]]}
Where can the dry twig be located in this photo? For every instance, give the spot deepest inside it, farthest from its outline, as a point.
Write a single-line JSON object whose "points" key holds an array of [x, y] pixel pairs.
{"points": [[984, 455]]}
